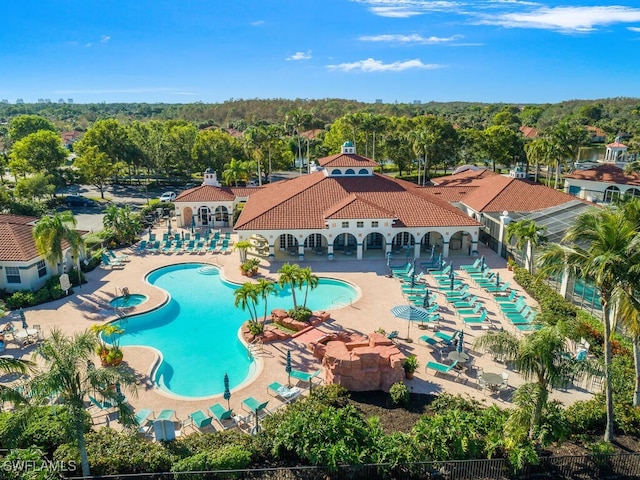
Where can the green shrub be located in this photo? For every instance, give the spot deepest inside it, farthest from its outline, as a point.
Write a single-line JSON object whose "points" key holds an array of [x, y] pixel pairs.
{"points": [[334, 395], [111, 453], [22, 298], [31, 464], [300, 313], [226, 457], [399, 394], [587, 416], [41, 296]]}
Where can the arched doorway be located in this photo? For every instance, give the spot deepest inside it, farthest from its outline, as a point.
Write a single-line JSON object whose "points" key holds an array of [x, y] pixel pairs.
{"points": [[460, 243], [316, 242], [204, 216], [287, 243], [221, 216], [374, 243], [346, 243], [431, 242]]}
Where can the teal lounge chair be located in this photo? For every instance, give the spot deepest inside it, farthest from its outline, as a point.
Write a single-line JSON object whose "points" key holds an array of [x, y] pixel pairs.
{"points": [[225, 246], [178, 246], [154, 247], [143, 420], [286, 395], [508, 299], [476, 320], [167, 414], [475, 310], [111, 263], [468, 302], [431, 342], [190, 246], [200, 247], [446, 337], [141, 246], [166, 248], [442, 368], [213, 245], [305, 376], [198, 421], [517, 307], [123, 258], [251, 405], [223, 416]]}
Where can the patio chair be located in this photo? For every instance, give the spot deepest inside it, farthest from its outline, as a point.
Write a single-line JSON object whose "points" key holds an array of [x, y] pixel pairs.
{"points": [[469, 311], [473, 267], [438, 367], [251, 405], [403, 270], [190, 246], [167, 247], [154, 247], [152, 237], [476, 320], [141, 246], [225, 246], [446, 337], [163, 430], [213, 245], [223, 417], [178, 246], [285, 394], [508, 299], [467, 303], [393, 335], [143, 420], [124, 258], [111, 263], [198, 420], [500, 289], [510, 308], [305, 377], [199, 247]]}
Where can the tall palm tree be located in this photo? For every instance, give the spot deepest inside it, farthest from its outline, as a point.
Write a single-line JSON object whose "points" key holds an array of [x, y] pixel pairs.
{"points": [[246, 297], [265, 288], [309, 280], [528, 235], [539, 151], [234, 170], [596, 249], [296, 119], [290, 276], [68, 375], [54, 233], [537, 356]]}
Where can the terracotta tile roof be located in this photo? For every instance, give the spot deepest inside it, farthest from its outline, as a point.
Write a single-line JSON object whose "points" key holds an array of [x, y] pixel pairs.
{"points": [[346, 160], [453, 193], [496, 193], [356, 207], [16, 238], [596, 131], [311, 134], [207, 193], [528, 132], [606, 174], [304, 202], [616, 145]]}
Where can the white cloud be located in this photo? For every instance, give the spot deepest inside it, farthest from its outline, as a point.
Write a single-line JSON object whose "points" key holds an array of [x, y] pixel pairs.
{"points": [[105, 38], [300, 56], [634, 29], [394, 12], [372, 65], [408, 8], [413, 38], [566, 19], [257, 23], [88, 45]]}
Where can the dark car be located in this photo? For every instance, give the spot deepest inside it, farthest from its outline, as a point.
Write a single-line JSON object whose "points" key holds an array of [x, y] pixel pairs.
{"points": [[78, 201]]}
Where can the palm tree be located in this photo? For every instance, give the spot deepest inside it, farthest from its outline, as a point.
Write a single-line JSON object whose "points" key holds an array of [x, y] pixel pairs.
{"points": [[234, 170], [539, 151], [265, 288], [528, 235], [9, 364], [296, 119], [290, 275], [596, 248], [53, 233], [246, 297], [309, 280], [68, 374], [537, 356]]}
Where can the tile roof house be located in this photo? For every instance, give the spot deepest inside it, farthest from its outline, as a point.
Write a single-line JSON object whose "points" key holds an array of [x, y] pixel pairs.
{"points": [[602, 183], [21, 267]]}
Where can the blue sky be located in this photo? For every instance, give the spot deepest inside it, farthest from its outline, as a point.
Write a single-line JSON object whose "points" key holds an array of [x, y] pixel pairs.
{"points": [[211, 51]]}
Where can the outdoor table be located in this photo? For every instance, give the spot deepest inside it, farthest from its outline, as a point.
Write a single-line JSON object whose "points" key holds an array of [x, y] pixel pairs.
{"points": [[289, 394], [459, 357], [493, 380]]}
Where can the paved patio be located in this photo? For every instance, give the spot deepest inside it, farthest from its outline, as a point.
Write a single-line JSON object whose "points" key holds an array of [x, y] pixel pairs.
{"points": [[378, 294]]}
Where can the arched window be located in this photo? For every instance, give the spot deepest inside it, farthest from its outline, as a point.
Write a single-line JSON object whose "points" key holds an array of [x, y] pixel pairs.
{"points": [[611, 194], [350, 171], [632, 193], [221, 214], [363, 171], [336, 171]]}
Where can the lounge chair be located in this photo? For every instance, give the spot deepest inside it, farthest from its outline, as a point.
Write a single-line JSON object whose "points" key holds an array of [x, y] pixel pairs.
{"points": [[143, 420], [123, 258], [199, 247], [154, 247], [111, 263], [475, 310], [178, 246], [225, 246], [468, 302], [282, 392], [305, 377], [164, 430], [446, 337], [213, 245], [167, 414], [198, 420], [393, 335], [190, 246], [223, 416], [476, 320], [508, 299], [187, 237], [432, 342], [167, 247], [443, 368], [251, 405], [141, 246], [152, 237], [500, 289], [517, 307]]}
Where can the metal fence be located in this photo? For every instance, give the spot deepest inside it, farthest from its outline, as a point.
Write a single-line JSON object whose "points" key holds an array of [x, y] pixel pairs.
{"points": [[605, 467]]}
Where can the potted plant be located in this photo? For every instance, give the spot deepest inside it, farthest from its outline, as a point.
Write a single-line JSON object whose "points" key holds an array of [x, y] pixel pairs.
{"points": [[410, 365], [511, 263], [110, 354], [250, 267]]}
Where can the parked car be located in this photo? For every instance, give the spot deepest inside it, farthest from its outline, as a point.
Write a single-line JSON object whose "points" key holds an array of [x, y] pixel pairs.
{"points": [[167, 197], [78, 201]]}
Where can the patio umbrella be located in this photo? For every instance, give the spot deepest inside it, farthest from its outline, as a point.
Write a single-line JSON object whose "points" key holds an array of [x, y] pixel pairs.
{"points": [[193, 224], [460, 342], [482, 264], [497, 279], [23, 318], [433, 251], [227, 392], [169, 226], [410, 313], [425, 300], [119, 396], [452, 276], [287, 368], [413, 278]]}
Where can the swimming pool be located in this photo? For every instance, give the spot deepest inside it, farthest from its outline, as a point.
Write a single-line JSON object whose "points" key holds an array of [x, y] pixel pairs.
{"points": [[126, 301], [197, 330]]}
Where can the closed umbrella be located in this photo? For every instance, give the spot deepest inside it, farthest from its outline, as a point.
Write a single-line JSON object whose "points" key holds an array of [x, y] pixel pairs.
{"points": [[119, 396], [287, 368], [227, 392], [169, 226], [497, 279], [193, 224], [452, 276], [482, 264], [413, 278], [425, 300], [24, 319], [460, 342]]}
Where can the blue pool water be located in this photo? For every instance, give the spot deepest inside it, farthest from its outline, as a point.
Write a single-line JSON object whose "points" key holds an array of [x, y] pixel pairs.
{"points": [[128, 301], [197, 330]]}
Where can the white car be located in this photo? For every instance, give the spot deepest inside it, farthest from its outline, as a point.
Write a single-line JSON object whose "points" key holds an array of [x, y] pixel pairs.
{"points": [[167, 197]]}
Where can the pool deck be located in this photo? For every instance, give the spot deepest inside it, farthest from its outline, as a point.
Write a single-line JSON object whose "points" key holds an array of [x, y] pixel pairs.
{"points": [[378, 294]]}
